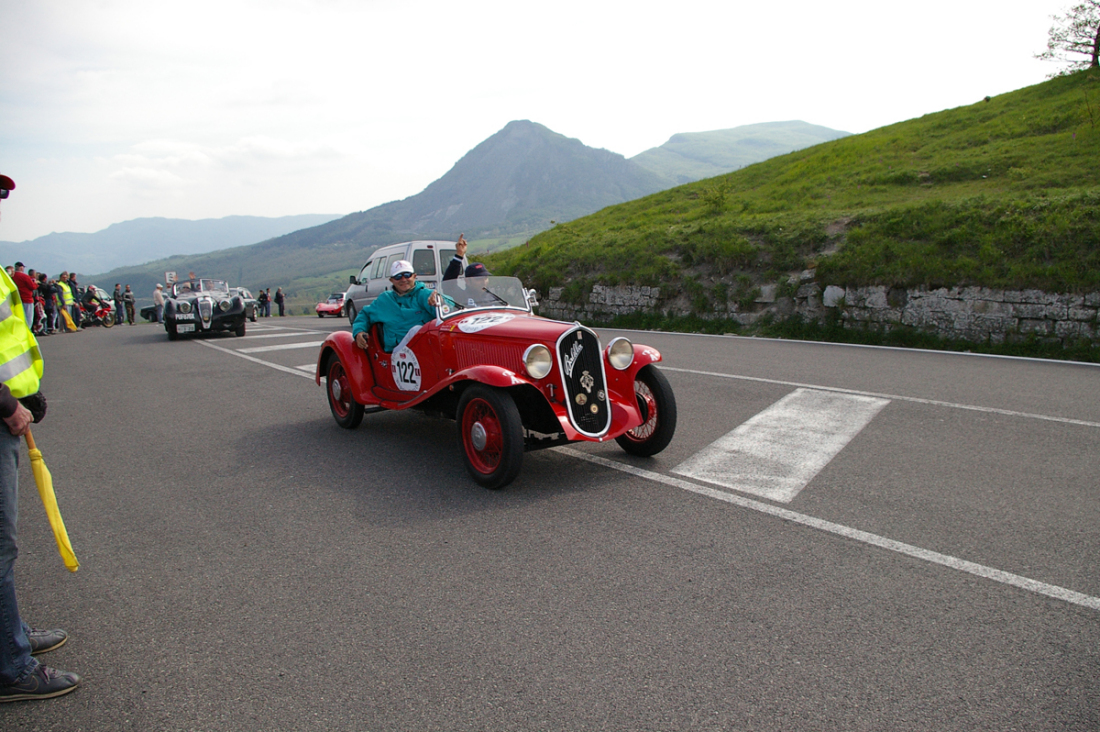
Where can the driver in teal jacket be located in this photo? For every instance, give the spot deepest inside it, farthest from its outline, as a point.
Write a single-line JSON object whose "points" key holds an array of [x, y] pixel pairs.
{"points": [[408, 305]]}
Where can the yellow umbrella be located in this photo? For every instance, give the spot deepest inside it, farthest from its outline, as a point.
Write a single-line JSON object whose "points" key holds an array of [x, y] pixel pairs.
{"points": [[69, 324], [45, 489]]}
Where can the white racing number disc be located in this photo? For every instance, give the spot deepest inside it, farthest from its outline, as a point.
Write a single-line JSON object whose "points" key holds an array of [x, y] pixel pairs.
{"points": [[481, 322], [405, 369]]}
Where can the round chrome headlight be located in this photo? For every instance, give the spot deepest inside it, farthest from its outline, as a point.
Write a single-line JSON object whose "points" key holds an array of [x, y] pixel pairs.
{"points": [[538, 361], [620, 352], [224, 305], [183, 307]]}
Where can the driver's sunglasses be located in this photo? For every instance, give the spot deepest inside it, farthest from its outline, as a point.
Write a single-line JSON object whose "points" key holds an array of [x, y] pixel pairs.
{"points": [[402, 276]]}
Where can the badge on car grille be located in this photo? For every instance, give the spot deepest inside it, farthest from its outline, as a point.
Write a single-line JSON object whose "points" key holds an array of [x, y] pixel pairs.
{"points": [[584, 381]]}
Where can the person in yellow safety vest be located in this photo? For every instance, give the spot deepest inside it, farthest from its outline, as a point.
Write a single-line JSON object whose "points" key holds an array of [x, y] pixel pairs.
{"points": [[21, 675], [67, 297]]}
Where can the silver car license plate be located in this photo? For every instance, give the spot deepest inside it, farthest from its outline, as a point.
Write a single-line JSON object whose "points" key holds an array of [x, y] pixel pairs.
{"points": [[185, 328]]}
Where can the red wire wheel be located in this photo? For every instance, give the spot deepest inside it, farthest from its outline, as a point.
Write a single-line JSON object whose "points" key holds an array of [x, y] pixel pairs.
{"points": [[347, 412], [658, 407], [490, 433]]}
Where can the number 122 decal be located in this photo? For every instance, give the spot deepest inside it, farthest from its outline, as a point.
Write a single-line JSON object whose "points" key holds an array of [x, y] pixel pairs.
{"points": [[405, 369]]}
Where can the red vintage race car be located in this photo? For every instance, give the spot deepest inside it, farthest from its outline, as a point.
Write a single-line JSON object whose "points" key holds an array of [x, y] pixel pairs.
{"points": [[333, 306], [511, 380]]}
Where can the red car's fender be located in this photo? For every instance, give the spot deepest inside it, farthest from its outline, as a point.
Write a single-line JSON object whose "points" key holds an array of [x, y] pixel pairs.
{"points": [[490, 375], [342, 345]]}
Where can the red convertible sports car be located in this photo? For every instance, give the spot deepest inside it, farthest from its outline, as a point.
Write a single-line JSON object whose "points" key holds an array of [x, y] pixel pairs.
{"points": [[511, 380], [333, 306]]}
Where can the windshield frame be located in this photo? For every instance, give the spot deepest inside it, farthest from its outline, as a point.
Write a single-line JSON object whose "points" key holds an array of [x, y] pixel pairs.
{"points": [[200, 285], [452, 308]]}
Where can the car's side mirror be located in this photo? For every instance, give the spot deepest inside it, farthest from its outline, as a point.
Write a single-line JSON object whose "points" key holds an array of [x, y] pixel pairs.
{"points": [[533, 297], [352, 280]]}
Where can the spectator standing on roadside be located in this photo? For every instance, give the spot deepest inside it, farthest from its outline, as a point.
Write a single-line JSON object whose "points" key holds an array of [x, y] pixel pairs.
{"points": [[117, 296], [158, 301], [74, 287], [26, 287], [261, 300], [279, 299], [22, 677], [128, 301], [67, 296], [49, 305]]}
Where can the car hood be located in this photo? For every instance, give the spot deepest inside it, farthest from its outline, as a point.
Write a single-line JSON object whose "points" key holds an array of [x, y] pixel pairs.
{"points": [[507, 324]]}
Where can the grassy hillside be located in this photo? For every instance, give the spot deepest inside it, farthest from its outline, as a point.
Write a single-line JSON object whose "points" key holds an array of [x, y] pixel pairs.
{"points": [[1002, 193]]}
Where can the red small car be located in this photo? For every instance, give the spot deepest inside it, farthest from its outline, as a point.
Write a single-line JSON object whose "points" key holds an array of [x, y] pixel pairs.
{"points": [[333, 306], [511, 380]]}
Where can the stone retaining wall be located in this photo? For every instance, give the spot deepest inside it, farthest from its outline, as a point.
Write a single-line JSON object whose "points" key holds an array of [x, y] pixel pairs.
{"points": [[968, 313]]}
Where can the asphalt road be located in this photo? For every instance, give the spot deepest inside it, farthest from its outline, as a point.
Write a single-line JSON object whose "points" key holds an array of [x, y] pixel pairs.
{"points": [[248, 565]]}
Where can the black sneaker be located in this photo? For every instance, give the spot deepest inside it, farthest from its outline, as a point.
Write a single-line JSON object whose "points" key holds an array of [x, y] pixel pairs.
{"points": [[46, 640], [41, 683]]}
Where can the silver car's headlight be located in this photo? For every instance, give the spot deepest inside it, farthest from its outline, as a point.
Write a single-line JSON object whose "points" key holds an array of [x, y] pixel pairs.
{"points": [[538, 361], [620, 352], [183, 307], [224, 305]]}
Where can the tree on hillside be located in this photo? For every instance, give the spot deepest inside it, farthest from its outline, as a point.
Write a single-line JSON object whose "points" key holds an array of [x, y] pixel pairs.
{"points": [[1075, 34]]}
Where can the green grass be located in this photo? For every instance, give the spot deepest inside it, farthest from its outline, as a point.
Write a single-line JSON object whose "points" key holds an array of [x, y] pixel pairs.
{"points": [[1002, 193]]}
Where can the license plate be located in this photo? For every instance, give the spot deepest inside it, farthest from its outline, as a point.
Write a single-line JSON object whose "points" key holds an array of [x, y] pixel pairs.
{"points": [[185, 328]]}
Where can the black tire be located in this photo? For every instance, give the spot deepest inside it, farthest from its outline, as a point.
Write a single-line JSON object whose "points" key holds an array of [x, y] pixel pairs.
{"points": [[320, 315], [172, 333], [347, 412], [108, 321], [240, 329], [351, 313], [658, 406], [490, 435]]}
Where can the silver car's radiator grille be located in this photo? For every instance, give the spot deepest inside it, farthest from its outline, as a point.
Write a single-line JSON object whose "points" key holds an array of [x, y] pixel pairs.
{"points": [[206, 307], [583, 378]]}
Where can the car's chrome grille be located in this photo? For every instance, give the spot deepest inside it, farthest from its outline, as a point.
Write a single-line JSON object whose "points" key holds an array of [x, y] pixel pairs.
{"points": [[581, 366], [206, 307]]}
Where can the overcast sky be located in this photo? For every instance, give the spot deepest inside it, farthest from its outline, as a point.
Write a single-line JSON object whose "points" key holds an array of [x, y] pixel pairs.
{"points": [[119, 109]]}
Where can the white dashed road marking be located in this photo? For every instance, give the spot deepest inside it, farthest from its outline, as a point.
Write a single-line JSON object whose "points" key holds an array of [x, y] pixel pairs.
{"points": [[285, 334], [945, 560], [892, 397], [778, 451], [281, 347]]}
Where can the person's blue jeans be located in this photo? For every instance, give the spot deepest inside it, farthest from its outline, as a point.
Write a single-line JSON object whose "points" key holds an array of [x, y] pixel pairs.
{"points": [[160, 312], [15, 649]]}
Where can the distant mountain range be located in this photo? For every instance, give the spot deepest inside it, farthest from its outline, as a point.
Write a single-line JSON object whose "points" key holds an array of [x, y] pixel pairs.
{"points": [[525, 176], [692, 156], [516, 181], [144, 240], [512, 185]]}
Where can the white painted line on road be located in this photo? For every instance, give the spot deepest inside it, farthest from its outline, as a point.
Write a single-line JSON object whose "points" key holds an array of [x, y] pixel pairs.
{"points": [[778, 451], [281, 347], [285, 334], [238, 354], [891, 397], [945, 560], [311, 367]]}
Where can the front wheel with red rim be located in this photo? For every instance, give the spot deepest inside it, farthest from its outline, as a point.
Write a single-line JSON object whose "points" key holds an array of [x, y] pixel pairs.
{"points": [[658, 407], [347, 412], [490, 434]]}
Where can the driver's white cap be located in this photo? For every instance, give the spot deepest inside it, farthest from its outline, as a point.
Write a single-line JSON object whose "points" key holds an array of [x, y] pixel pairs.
{"points": [[401, 266]]}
